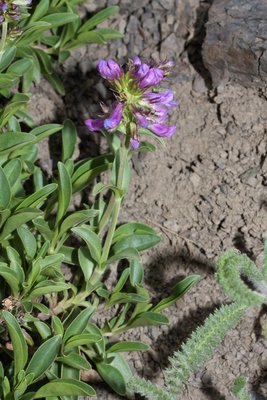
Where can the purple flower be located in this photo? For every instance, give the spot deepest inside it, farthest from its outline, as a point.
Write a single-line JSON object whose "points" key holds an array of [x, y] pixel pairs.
{"points": [[135, 137], [152, 78], [142, 119], [165, 98], [141, 71], [136, 62], [2, 18], [160, 113], [162, 130], [109, 69], [3, 6], [95, 124], [114, 120]]}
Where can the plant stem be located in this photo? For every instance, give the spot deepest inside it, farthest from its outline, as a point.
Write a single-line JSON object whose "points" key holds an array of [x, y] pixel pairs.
{"points": [[3, 38], [116, 204]]}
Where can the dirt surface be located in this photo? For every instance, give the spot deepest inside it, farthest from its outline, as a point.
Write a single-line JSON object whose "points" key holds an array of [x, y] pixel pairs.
{"points": [[205, 192]]}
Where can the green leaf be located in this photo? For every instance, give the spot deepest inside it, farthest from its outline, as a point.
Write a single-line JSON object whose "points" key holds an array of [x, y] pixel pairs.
{"points": [[76, 219], [18, 341], [5, 192], [177, 292], [140, 242], [79, 324], [13, 171], [75, 361], [98, 18], [64, 387], [129, 253], [108, 33], [149, 319], [40, 10], [46, 287], [45, 130], [43, 228], [127, 346], [120, 297], [11, 278], [122, 280], [100, 186], [10, 141], [45, 60], [92, 241], [44, 357], [57, 326], [84, 39], [113, 376], [132, 227], [20, 67], [87, 263], [28, 241], [55, 82], [69, 139], [43, 329], [81, 340], [36, 198], [7, 57], [88, 170], [136, 273], [27, 79], [64, 192], [100, 346], [18, 219], [59, 19]]}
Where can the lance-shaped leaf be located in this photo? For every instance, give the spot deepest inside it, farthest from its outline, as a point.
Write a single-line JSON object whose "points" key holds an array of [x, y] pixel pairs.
{"points": [[149, 319], [28, 241], [37, 198], [92, 241], [10, 277], [127, 346], [64, 387], [139, 241], [13, 171], [7, 57], [46, 287], [108, 34], [5, 192], [87, 263], [128, 253], [64, 192], [79, 324], [98, 18], [44, 357], [69, 139], [45, 130], [120, 297], [177, 292], [19, 218], [18, 341], [43, 228], [86, 171], [59, 19], [40, 10], [75, 361], [76, 218], [81, 340], [20, 67]]}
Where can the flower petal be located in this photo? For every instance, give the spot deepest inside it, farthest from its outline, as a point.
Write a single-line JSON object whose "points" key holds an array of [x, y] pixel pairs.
{"points": [[162, 130], [108, 69], [136, 62], [114, 120], [95, 124], [152, 78]]}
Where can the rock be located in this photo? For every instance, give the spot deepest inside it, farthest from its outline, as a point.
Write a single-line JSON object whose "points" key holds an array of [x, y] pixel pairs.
{"points": [[235, 45]]}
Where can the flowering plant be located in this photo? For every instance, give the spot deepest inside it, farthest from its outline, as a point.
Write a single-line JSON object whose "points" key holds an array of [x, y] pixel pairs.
{"points": [[49, 329]]}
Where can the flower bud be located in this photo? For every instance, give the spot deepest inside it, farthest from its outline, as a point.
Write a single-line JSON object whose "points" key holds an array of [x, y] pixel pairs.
{"points": [[109, 69]]}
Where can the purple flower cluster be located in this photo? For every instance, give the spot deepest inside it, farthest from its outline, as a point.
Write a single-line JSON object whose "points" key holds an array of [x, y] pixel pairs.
{"points": [[139, 101], [11, 9]]}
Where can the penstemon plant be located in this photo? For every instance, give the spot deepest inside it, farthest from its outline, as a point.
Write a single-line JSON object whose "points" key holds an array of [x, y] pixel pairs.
{"points": [[48, 326]]}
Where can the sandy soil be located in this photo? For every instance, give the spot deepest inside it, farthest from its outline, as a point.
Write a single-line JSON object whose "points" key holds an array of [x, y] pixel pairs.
{"points": [[205, 192]]}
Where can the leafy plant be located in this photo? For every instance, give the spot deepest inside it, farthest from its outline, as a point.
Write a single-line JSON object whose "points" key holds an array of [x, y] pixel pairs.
{"points": [[48, 328], [36, 37]]}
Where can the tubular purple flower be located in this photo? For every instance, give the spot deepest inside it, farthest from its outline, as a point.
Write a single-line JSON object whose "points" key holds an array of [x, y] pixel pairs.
{"points": [[135, 137], [161, 113], [152, 78], [142, 119], [165, 98], [109, 69], [162, 130], [136, 62], [114, 120], [3, 6], [141, 71], [95, 124]]}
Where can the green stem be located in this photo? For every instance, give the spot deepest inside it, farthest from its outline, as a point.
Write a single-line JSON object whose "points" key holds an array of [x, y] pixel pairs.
{"points": [[107, 213], [3, 38], [116, 204]]}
